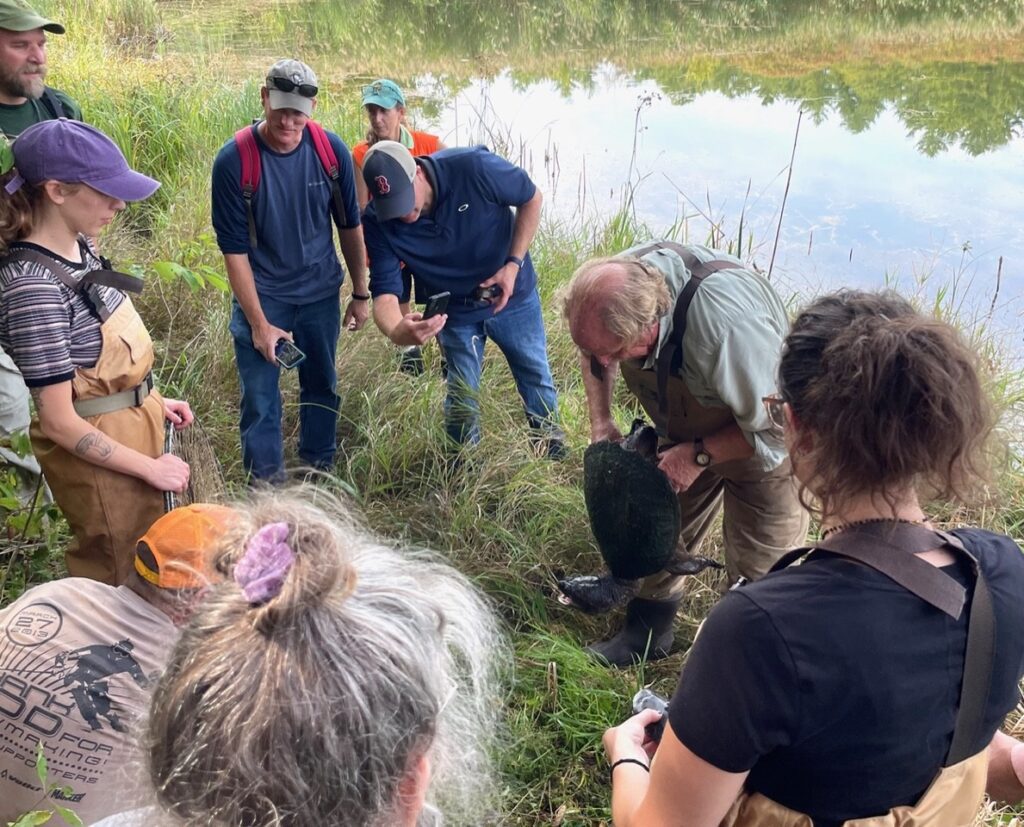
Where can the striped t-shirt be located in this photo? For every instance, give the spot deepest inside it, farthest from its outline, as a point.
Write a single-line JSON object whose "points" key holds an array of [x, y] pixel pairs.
{"points": [[48, 329]]}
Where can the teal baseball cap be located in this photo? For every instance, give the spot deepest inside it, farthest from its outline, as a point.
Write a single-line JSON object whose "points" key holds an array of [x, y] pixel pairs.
{"points": [[19, 16], [383, 93]]}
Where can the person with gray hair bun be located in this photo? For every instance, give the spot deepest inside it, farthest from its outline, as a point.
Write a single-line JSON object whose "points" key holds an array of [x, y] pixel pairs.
{"points": [[330, 679]]}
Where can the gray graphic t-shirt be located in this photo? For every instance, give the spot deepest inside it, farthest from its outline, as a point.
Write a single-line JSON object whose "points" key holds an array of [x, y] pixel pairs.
{"points": [[77, 659]]}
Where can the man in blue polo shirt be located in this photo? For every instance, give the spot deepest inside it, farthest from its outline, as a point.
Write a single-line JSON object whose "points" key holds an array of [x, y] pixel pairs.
{"points": [[449, 216], [284, 270]]}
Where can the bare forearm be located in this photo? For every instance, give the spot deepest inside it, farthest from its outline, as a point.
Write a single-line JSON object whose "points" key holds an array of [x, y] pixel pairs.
{"points": [[728, 443], [525, 227], [598, 391], [386, 313], [60, 423], [354, 251]]}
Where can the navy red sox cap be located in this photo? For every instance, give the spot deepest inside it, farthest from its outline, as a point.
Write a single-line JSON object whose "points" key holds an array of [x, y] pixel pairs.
{"points": [[388, 170]]}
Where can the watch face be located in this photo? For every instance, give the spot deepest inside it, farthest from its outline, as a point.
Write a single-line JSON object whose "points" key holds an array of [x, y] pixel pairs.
{"points": [[703, 459]]}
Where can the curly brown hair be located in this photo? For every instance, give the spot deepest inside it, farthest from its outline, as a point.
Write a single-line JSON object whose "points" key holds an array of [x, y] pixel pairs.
{"points": [[888, 397]]}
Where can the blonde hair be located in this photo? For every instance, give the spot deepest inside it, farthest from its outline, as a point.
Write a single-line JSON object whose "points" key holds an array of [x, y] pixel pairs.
{"points": [[624, 292], [312, 707]]}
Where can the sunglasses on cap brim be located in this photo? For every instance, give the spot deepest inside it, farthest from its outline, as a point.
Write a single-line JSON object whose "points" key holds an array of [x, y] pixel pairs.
{"points": [[307, 90]]}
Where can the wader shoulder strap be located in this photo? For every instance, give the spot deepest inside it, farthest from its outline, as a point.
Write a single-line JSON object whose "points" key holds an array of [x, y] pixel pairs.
{"points": [[53, 103], [104, 276], [249, 153], [890, 548], [670, 358]]}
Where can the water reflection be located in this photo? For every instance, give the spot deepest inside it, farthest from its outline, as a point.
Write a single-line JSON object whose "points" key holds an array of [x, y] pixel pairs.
{"points": [[862, 207], [910, 150]]}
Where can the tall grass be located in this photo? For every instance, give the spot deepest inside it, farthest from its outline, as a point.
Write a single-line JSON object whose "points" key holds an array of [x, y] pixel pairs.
{"points": [[510, 519]]}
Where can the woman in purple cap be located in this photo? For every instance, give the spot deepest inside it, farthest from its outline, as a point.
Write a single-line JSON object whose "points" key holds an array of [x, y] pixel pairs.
{"points": [[85, 354]]}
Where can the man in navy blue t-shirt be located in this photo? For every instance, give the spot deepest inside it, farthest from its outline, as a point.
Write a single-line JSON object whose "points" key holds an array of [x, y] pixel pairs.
{"points": [[284, 271], [449, 216]]}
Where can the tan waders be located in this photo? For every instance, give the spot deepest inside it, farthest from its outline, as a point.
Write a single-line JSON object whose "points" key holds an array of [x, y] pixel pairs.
{"points": [[952, 800], [109, 511]]}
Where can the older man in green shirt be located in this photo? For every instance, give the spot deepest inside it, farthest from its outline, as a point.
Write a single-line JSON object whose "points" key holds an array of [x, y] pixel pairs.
{"points": [[25, 99], [697, 337]]}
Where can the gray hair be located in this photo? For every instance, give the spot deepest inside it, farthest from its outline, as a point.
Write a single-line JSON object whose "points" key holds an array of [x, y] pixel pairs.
{"points": [[626, 293], [311, 708]]}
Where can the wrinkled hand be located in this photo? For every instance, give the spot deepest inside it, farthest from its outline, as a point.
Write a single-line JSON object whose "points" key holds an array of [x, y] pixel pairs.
{"points": [[415, 330], [629, 740], [179, 413], [679, 466], [605, 430], [356, 315], [168, 473], [505, 278], [265, 340]]}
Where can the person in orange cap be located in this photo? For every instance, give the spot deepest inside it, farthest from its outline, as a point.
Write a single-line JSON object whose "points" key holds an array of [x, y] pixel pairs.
{"points": [[77, 658]]}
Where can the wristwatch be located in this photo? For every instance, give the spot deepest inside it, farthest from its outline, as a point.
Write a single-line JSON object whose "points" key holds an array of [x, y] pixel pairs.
{"points": [[701, 457]]}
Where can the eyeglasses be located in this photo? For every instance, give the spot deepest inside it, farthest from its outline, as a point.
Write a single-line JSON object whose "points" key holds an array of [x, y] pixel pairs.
{"points": [[775, 407], [307, 90]]}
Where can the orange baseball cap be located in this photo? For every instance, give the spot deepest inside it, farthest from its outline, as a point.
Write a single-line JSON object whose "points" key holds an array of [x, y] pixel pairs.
{"points": [[174, 552]]}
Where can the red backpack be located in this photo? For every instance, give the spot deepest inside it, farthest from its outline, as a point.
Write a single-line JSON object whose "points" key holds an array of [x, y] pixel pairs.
{"points": [[249, 152]]}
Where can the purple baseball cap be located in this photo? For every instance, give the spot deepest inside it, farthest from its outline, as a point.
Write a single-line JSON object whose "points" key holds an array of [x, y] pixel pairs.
{"points": [[74, 152]]}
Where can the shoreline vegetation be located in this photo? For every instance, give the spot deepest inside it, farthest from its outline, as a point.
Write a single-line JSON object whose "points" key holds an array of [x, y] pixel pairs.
{"points": [[512, 520]]}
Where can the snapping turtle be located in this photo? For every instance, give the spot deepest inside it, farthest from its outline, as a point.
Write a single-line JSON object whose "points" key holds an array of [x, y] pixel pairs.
{"points": [[634, 514]]}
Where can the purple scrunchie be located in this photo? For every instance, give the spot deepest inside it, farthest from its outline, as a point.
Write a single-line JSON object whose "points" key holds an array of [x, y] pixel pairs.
{"points": [[265, 564]]}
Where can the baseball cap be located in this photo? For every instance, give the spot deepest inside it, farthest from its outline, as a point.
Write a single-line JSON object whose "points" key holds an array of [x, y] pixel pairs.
{"points": [[299, 78], [19, 16], [174, 552], [388, 170], [384, 93], [75, 152]]}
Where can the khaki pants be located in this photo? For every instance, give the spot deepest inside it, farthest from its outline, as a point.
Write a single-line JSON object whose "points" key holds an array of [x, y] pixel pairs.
{"points": [[763, 519]]}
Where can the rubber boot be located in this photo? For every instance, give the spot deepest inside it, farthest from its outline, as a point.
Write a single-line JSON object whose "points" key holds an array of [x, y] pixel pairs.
{"points": [[648, 629]]}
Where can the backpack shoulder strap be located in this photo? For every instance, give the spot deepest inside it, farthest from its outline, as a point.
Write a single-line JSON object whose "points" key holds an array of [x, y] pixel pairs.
{"points": [[329, 161], [249, 153], [53, 103]]}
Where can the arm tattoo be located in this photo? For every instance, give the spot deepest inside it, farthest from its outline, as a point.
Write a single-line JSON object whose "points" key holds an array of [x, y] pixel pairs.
{"points": [[97, 444]]}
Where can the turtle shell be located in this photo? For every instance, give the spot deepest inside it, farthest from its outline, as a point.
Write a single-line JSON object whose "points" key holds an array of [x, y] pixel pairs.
{"points": [[634, 513]]}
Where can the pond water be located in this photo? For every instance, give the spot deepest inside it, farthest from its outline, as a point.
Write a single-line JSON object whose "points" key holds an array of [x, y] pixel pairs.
{"points": [[908, 166]]}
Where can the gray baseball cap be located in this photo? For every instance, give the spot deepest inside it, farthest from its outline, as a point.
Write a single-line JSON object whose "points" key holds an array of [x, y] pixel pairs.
{"points": [[292, 85], [19, 16]]}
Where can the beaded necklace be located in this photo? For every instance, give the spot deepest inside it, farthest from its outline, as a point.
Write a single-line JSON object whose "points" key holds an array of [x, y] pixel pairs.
{"points": [[843, 526]]}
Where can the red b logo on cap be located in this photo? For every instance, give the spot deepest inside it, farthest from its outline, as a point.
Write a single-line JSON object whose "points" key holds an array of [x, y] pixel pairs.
{"points": [[383, 187]]}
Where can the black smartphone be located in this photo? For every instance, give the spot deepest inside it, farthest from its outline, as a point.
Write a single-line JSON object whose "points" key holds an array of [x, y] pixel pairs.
{"points": [[288, 356], [436, 305]]}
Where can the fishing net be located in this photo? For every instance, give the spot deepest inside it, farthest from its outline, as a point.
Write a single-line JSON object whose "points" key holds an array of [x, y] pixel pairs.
{"points": [[206, 478]]}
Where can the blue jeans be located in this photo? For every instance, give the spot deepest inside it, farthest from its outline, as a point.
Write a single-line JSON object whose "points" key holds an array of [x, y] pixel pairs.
{"points": [[315, 328], [519, 333]]}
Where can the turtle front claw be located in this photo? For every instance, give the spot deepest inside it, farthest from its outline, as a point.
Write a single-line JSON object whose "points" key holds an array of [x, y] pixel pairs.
{"points": [[595, 594]]}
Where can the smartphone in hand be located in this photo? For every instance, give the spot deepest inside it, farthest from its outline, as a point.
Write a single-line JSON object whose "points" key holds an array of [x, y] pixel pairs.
{"points": [[436, 305], [288, 356]]}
